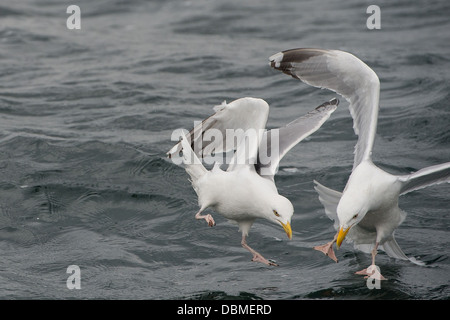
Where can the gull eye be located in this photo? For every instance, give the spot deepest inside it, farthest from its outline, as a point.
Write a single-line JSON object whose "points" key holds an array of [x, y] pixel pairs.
{"points": [[355, 216], [275, 212]]}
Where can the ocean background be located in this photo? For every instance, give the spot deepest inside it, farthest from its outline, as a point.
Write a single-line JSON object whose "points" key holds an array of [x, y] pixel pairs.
{"points": [[86, 117]]}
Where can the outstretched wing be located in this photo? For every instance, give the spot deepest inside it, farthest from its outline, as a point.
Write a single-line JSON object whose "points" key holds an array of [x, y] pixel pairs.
{"points": [[276, 143], [425, 177], [344, 74], [223, 131]]}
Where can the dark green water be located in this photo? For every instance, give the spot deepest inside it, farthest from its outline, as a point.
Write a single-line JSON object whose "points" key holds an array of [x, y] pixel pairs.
{"points": [[86, 117]]}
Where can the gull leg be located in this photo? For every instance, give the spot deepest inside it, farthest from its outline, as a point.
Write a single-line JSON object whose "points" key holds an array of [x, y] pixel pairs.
{"points": [[209, 219], [327, 249], [256, 256], [372, 271]]}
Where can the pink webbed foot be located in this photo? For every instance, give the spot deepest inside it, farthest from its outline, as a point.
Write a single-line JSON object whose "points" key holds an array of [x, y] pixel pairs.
{"points": [[327, 249], [209, 219], [257, 257], [372, 271], [260, 258]]}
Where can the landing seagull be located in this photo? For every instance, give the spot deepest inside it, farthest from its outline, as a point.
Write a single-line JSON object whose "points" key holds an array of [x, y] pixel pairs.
{"points": [[246, 190], [367, 210]]}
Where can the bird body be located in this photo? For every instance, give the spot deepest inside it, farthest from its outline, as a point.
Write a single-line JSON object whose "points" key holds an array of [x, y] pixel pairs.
{"points": [[246, 190], [375, 192], [214, 191], [367, 210]]}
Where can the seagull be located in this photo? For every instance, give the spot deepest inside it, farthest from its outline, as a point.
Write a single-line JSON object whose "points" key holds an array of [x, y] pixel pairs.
{"points": [[367, 210], [246, 190]]}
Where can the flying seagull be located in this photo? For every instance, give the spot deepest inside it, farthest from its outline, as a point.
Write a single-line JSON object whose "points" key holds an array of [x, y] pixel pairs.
{"points": [[246, 190], [367, 210]]}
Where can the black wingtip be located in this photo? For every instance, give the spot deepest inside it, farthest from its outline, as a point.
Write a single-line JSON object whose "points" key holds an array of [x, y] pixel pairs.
{"points": [[297, 55], [332, 102], [284, 60]]}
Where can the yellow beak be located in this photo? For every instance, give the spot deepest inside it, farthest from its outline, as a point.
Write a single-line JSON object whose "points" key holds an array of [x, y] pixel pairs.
{"points": [[287, 229], [341, 236]]}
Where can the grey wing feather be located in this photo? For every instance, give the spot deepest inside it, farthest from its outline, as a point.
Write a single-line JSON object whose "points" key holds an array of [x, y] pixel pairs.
{"points": [[425, 177], [330, 199], [344, 74], [243, 114], [393, 250], [276, 143]]}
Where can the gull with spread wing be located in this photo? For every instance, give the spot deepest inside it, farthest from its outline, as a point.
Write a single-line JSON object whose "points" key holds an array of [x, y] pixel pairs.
{"points": [[246, 190], [367, 210]]}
